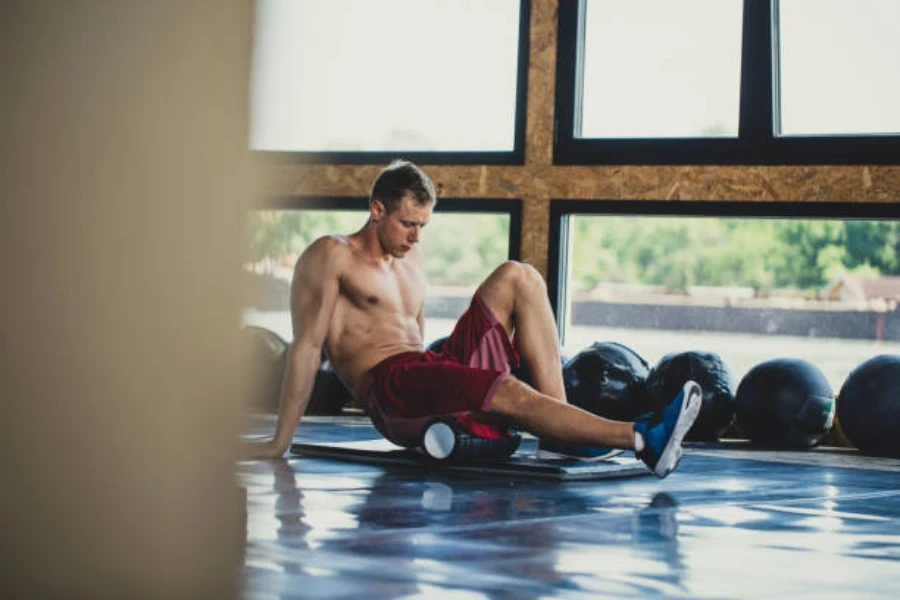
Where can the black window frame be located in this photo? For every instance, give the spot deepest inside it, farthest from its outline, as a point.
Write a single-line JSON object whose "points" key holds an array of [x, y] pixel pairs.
{"points": [[516, 156], [512, 207], [756, 143], [562, 210]]}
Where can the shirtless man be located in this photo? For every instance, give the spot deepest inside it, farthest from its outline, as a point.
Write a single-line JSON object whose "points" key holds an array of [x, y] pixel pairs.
{"points": [[363, 297]]}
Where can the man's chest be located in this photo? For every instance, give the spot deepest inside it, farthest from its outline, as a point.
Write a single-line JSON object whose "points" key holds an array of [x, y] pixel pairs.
{"points": [[397, 289]]}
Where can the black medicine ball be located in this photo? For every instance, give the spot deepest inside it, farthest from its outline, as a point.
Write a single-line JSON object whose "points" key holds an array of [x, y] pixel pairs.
{"points": [[266, 358], [329, 396], [785, 402], [267, 363], [438, 344], [868, 406], [710, 371], [607, 379]]}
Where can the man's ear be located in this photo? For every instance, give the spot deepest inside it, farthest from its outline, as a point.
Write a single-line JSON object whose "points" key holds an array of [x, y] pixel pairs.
{"points": [[377, 210]]}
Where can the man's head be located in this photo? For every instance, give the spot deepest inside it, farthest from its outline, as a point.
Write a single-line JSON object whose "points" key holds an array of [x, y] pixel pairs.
{"points": [[399, 178], [400, 206]]}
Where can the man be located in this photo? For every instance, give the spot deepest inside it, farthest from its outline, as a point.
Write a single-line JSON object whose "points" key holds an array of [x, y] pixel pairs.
{"points": [[363, 296]]}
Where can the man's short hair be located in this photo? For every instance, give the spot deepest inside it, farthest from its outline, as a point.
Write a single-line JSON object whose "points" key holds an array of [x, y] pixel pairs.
{"points": [[398, 178]]}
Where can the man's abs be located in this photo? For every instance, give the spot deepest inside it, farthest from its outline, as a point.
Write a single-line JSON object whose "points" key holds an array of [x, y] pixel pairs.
{"points": [[359, 340]]}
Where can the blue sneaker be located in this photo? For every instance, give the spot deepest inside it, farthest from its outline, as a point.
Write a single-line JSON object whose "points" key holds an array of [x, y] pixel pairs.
{"points": [[551, 449], [664, 431]]}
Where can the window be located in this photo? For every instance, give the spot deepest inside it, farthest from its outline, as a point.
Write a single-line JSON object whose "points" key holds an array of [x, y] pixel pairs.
{"points": [[727, 82], [750, 288], [278, 235], [838, 72], [659, 69], [440, 81]]}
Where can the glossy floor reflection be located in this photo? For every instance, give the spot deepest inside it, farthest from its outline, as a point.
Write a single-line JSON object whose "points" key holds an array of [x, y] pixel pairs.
{"points": [[731, 522]]}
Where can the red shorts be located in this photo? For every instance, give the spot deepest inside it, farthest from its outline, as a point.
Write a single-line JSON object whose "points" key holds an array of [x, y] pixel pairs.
{"points": [[405, 392]]}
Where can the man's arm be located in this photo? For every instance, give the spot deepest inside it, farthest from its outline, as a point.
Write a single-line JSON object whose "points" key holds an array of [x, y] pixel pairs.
{"points": [[421, 319], [314, 293]]}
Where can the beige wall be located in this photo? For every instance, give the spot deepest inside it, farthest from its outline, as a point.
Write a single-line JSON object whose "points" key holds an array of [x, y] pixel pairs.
{"points": [[538, 180], [124, 189]]}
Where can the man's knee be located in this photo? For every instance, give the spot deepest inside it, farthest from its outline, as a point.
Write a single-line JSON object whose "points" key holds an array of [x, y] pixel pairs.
{"points": [[509, 397], [521, 275], [512, 397], [533, 276]]}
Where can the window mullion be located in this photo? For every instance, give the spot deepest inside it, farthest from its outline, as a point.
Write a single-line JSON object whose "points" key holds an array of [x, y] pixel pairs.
{"points": [[756, 128]]}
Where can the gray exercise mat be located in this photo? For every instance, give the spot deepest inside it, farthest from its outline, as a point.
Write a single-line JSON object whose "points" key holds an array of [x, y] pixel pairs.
{"points": [[521, 465]]}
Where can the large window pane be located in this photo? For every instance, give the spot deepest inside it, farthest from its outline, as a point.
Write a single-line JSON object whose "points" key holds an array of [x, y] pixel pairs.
{"points": [[839, 66], [748, 289], [361, 75], [456, 264], [661, 68]]}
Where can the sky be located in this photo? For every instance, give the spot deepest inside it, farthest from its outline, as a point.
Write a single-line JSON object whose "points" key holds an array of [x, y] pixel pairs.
{"points": [[365, 75]]}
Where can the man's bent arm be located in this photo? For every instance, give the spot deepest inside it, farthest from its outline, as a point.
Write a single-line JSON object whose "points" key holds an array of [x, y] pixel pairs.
{"points": [[313, 297], [420, 316]]}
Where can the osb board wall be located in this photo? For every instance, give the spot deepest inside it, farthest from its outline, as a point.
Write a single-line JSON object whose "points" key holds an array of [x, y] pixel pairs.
{"points": [[538, 180]]}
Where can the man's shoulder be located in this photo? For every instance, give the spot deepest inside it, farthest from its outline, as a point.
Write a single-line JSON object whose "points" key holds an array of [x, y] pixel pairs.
{"points": [[328, 252], [328, 246]]}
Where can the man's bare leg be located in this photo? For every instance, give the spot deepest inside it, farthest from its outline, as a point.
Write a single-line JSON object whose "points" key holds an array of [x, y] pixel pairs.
{"points": [[656, 441], [517, 295], [544, 416]]}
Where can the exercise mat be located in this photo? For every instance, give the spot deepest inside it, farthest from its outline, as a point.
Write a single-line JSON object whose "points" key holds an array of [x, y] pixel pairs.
{"points": [[523, 464]]}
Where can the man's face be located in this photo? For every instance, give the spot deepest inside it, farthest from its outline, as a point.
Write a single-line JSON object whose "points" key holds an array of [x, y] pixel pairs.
{"points": [[399, 231]]}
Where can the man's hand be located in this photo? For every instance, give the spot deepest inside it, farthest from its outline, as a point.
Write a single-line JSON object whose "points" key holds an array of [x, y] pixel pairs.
{"points": [[261, 450]]}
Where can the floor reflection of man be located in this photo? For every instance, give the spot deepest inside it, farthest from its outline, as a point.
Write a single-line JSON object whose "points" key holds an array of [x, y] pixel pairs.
{"points": [[655, 529], [500, 540], [434, 532]]}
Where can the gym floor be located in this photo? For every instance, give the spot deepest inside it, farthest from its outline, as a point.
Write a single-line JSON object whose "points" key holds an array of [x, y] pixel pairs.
{"points": [[731, 522]]}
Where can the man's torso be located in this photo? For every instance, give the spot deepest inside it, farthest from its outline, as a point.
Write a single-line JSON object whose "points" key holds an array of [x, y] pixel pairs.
{"points": [[375, 315]]}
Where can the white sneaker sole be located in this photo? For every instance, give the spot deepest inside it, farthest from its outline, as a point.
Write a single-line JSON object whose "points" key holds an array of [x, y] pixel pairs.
{"points": [[671, 455], [548, 455]]}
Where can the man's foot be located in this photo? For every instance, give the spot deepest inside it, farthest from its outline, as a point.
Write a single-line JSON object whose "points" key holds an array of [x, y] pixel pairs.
{"points": [[664, 431], [550, 449]]}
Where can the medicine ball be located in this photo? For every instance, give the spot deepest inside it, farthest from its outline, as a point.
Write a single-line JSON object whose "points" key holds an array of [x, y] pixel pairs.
{"points": [[785, 402], [329, 396], [708, 369], [437, 344], [607, 379], [868, 406], [265, 359]]}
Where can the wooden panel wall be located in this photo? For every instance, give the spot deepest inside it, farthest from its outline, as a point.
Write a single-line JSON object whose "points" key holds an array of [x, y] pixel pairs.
{"points": [[538, 180]]}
